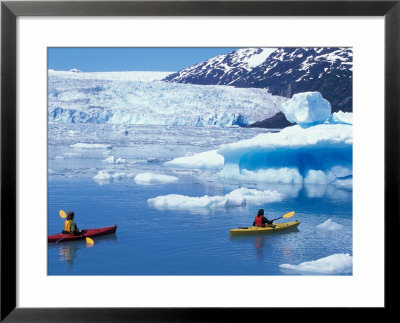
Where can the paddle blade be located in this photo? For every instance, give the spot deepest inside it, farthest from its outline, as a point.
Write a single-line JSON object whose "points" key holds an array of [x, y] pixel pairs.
{"points": [[89, 241], [288, 215], [62, 214]]}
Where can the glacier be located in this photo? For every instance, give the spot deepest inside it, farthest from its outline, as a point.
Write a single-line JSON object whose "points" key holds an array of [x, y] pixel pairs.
{"points": [[141, 99]]}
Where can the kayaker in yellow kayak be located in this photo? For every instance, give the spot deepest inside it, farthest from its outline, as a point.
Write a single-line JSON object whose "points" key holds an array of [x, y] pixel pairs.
{"points": [[261, 221], [70, 225]]}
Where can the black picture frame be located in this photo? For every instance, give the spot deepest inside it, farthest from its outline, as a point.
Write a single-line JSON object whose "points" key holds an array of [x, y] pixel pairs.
{"points": [[10, 10]]}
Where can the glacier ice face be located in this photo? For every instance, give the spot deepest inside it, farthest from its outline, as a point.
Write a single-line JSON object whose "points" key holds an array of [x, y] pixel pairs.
{"points": [[117, 98], [320, 154], [306, 108]]}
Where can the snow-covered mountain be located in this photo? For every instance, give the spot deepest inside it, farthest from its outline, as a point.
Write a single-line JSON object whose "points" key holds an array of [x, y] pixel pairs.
{"points": [[221, 69], [129, 98], [285, 72]]}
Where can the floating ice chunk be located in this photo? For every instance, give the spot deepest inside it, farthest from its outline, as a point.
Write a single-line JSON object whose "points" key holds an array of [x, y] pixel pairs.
{"points": [[324, 147], [331, 265], [104, 176], [59, 157], [282, 175], [151, 178], [205, 160], [306, 108], [329, 225], [110, 159], [238, 197], [341, 117], [91, 146]]}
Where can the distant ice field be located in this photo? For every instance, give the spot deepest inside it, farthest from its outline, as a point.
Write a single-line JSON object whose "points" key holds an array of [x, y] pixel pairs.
{"points": [[140, 98]]}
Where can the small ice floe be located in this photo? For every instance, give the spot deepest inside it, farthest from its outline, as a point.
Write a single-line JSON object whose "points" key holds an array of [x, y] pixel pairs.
{"points": [[205, 160], [332, 265], [104, 176], [151, 178], [238, 197], [329, 225], [81, 145], [59, 157], [113, 160]]}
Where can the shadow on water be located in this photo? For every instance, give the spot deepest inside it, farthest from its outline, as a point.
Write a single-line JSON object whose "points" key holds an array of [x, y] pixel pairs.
{"points": [[67, 250]]}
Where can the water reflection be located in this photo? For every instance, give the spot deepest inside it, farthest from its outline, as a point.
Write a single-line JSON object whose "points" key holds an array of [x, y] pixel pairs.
{"points": [[260, 241], [68, 250]]}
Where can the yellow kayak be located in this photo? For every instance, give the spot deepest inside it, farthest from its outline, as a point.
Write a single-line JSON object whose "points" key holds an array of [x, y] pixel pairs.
{"points": [[274, 228]]}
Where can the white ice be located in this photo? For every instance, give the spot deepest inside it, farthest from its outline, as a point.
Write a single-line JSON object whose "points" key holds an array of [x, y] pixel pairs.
{"points": [[319, 154], [104, 176], [81, 145], [151, 178], [329, 225], [306, 108], [205, 160], [331, 265], [341, 117], [84, 98], [238, 197]]}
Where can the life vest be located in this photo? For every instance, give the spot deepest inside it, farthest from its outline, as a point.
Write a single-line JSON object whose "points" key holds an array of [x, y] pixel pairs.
{"points": [[258, 221], [67, 225]]}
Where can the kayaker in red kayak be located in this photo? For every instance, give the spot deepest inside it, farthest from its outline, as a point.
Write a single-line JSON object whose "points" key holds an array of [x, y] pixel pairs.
{"points": [[260, 220], [70, 225]]}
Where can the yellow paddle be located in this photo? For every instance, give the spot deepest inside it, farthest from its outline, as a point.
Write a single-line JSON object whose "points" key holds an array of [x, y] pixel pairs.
{"points": [[287, 215], [89, 241], [62, 214]]}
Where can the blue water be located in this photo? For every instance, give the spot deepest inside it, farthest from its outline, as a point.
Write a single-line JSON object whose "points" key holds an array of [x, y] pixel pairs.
{"points": [[196, 242]]}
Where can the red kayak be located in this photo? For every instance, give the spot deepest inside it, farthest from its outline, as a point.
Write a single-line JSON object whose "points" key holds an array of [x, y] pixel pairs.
{"points": [[61, 237]]}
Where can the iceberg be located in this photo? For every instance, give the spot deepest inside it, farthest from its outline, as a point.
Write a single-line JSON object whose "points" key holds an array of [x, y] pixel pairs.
{"points": [[329, 225], [205, 160], [151, 178], [341, 117], [306, 108], [106, 177], [236, 198], [320, 154], [331, 265]]}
